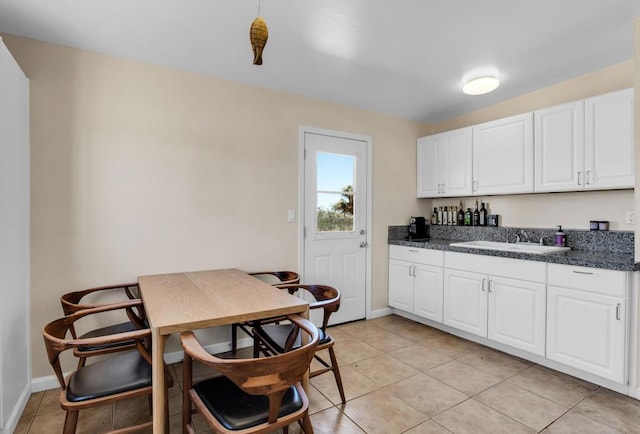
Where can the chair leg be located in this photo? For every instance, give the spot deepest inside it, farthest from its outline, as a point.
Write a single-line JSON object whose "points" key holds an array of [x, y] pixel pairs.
{"points": [[187, 367], [306, 424], [256, 347], [336, 374], [285, 429], [234, 337], [81, 362], [70, 422]]}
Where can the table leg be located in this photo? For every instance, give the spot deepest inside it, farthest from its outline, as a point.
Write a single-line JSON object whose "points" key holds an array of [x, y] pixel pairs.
{"points": [[159, 387]]}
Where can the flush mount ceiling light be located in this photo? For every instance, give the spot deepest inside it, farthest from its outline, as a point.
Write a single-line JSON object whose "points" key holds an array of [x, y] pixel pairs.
{"points": [[481, 85]]}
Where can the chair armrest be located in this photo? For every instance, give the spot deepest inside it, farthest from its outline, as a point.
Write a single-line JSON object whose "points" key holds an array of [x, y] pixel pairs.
{"points": [[71, 301]]}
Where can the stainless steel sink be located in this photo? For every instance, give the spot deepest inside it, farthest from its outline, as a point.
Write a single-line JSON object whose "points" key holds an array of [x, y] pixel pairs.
{"points": [[512, 247]]}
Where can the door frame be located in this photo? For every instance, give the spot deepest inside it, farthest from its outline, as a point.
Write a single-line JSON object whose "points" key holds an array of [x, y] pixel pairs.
{"points": [[302, 130]]}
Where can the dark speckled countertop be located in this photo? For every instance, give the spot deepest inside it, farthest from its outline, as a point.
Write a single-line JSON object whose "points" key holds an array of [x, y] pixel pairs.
{"points": [[616, 257]]}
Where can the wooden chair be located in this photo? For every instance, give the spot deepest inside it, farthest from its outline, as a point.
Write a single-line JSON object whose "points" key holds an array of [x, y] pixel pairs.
{"points": [[271, 338], [252, 395], [118, 376], [273, 278], [73, 302]]}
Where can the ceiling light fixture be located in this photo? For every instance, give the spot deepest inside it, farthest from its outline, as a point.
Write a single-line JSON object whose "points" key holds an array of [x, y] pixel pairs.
{"points": [[258, 35], [481, 85]]}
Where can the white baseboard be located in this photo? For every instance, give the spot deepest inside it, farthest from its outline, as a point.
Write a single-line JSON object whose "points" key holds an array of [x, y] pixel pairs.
{"points": [[380, 312], [14, 418], [51, 381]]}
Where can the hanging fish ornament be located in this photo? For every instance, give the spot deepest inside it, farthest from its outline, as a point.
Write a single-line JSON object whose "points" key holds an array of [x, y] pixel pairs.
{"points": [[258, 34]]}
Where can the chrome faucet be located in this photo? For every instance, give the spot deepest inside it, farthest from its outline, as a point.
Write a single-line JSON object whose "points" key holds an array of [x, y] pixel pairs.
{"points": [[523, 237]]}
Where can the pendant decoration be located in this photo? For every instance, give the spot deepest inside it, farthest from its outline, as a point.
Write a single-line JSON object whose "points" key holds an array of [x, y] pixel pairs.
{"points": [[258, 35]]}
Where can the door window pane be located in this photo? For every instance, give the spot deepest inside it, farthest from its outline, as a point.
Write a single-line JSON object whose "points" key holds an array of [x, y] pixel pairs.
{"points": [[335, 195]]}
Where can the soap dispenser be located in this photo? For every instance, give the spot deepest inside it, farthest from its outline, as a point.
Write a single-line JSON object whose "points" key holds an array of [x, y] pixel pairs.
{"points": [[560, 238]]}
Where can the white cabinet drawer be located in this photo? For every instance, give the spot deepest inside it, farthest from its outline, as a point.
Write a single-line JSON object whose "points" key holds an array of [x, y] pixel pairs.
{"points": [[606, 282], [417, 255], [532, 271]]}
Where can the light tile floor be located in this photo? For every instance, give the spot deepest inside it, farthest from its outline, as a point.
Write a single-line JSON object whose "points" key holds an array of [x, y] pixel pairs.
{"points": [[404, 377]]}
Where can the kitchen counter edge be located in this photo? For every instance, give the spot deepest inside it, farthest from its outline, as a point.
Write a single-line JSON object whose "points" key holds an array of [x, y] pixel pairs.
{"points": [[581, 258]]}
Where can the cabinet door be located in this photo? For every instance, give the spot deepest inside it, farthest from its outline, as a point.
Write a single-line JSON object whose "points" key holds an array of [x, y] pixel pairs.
{"points": [[456, 162], [609, 159], [429, 182], [587, 331], [427, 292], [503, 156], [401, 285], [517, 313], [465, 301], [559, 147]]}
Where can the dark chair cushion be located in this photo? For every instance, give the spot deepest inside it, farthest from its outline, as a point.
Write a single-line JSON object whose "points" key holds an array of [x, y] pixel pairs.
{"points": [[121, 373], [237, 410], [105, 331], [276, 335]]}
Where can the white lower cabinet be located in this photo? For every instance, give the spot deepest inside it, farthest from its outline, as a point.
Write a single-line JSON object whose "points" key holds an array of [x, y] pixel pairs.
{"points": [[415, 281], [586, 320], [506, 310]]}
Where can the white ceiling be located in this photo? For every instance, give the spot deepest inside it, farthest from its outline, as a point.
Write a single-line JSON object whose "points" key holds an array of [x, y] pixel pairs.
{"points": [[405, 58]]}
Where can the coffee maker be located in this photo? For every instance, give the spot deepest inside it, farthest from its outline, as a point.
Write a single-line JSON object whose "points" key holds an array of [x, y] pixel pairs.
{"points": [[418, 228]]}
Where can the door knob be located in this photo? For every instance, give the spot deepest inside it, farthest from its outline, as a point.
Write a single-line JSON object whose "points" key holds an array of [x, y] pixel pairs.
{"points": [[364, 244]]}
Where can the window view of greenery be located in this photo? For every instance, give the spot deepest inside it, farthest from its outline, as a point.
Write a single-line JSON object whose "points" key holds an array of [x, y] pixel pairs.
{"points": [[339, 215]]}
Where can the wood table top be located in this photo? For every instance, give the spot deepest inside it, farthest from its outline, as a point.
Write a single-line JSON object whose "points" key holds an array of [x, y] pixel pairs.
{"points": [[187, 301]]}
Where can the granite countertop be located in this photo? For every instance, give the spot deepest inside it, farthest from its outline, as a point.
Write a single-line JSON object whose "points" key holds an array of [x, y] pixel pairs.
{"points": [[582, 258]]}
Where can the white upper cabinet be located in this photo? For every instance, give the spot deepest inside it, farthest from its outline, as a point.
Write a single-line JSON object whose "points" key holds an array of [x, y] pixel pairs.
{"points": [[559, 147], [609, 157], [503, 156], [586, 144], [444, 164]]}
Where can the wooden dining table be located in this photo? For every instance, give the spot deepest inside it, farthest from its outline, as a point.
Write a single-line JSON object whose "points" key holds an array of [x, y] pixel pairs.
{"points": [[187, 301]]}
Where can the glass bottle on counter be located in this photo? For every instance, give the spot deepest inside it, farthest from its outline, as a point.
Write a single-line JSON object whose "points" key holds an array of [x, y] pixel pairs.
{"points": [[454, 216], [445, 216], [475, 219], [467, 217], [434, 216], [483, 215], [439, 216], [460, 216]]}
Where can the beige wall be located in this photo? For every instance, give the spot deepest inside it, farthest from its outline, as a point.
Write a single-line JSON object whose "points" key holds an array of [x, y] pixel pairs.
{"points": [[140, 169], [571, 210]]}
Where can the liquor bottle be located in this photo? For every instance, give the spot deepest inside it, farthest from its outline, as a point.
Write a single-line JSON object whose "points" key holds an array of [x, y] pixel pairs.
{"points": [[476, 216], [445, 216], [434, 216], [460, 216], [454, 216], [439, 216], [483, 215], [467, 217]]}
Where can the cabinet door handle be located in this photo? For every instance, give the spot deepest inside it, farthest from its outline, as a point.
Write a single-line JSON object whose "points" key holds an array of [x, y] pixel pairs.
{"points": [[413, 250], [439, 188], [414, 270], [410, 270], [618, 311], [587, 177], [443, 189], [582, 272], [579, 173], [474, 186], [489, 286], [483, 281]]}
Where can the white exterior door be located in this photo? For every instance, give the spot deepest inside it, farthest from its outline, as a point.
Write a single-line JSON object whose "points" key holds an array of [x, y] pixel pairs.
{"points": [[335, 217]]}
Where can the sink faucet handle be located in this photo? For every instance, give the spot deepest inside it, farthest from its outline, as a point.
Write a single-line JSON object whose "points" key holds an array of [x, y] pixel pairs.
{"points": [[517, 238], [541, 241]]}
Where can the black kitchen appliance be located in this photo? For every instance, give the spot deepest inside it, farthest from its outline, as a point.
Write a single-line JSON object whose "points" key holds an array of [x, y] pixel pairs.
{"points": [[418, 228]]}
